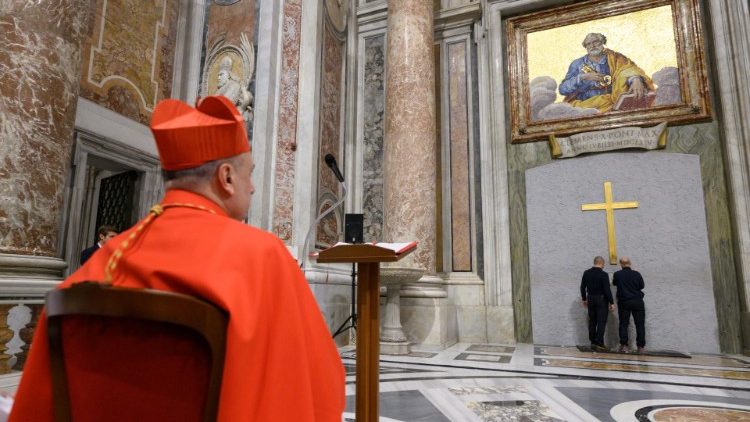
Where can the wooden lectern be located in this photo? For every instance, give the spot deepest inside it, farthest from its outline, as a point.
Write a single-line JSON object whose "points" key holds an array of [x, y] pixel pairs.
{"points": [[368, 258]]}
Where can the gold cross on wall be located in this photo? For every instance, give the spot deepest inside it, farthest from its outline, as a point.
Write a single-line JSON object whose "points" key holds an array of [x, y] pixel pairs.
{"points": [[610, 208]]}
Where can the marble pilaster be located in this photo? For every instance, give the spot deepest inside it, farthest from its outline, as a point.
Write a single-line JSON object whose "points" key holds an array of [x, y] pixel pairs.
{"points": [[328, 189], [374, 111], [409, 193], [731, 29], [287, 126], [502, 326], [269, 76], [460, 188], [39, 71]]}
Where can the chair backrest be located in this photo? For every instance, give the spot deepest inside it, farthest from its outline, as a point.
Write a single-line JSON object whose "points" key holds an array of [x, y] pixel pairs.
{"points": [[134, 354]]}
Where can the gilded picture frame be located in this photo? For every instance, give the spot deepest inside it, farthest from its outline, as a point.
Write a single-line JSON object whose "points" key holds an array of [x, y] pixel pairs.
{"points": [[576, 68]]}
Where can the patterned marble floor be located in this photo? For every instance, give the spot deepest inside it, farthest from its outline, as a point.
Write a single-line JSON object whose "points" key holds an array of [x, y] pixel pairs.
{"points": [[480, 382]]}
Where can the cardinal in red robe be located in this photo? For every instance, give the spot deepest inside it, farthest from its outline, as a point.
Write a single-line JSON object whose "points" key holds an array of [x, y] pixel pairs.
{"points": [[281, 363]]}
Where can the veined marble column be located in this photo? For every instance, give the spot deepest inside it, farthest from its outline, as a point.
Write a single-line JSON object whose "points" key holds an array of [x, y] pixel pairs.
{"points": [[410, 161], [409, 152], [40, 62]]}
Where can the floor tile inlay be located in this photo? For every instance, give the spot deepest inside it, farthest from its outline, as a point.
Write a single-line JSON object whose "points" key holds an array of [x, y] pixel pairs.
{"points": [[486, 383]]}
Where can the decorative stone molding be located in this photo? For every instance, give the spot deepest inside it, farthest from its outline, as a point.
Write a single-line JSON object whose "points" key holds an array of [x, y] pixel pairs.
{"points": [[27, 334], [429, 286], [393, 341], [5, 335], [457, 17], [90, 147], [25, 275]]}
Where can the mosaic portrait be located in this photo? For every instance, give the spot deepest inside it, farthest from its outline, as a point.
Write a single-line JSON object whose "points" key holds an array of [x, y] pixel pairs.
{"points": [[605, 64]]}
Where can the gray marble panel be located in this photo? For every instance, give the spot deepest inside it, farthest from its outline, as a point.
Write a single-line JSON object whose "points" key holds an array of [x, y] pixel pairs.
{"points": [[374, 112], [489, 348], [666, 237], [483, 358]]}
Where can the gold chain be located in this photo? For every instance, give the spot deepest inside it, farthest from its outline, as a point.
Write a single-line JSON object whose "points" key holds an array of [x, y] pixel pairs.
{"points": [[154, 212]]}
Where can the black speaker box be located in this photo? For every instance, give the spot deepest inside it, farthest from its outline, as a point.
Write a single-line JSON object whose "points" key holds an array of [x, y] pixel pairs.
{"points": [[353, 228]]}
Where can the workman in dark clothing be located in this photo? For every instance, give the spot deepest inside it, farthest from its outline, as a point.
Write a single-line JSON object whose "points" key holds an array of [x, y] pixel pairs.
{"points": [[596, 295], [630, 286]]}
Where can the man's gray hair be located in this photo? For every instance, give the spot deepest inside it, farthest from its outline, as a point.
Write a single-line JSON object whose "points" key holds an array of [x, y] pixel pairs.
{"points": [[599, 36], [202, 173]]}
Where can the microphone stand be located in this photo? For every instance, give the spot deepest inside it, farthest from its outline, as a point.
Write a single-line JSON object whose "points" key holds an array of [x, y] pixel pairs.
{"points": [[353, 311], [303, 258], [331, 162]]}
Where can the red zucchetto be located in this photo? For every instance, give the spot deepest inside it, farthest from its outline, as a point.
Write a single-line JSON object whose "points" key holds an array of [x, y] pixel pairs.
{"points": [[187, 137]]}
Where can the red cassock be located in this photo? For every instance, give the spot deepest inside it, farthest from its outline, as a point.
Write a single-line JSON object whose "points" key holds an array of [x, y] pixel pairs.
{"points": [[281, 363]]}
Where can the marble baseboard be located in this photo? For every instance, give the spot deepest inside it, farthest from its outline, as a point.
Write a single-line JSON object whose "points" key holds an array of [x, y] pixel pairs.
{"points": [[500, 325], [429, 322], [466, 295], [335, 305], [745, 331], [397, 348], [472, 324]]}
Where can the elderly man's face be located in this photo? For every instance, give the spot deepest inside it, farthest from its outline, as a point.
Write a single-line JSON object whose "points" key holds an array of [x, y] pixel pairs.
{"points": [[238, 204], [594, 45], [223, 76]]}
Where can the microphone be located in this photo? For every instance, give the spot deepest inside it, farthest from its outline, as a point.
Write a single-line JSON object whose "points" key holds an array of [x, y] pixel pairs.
{"points": [[331, 162]]}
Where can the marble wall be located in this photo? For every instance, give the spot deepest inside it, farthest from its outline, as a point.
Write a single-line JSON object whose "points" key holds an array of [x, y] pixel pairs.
{"points": [[228, 22], [374, 109], [40, 67], [665, 237], [699, 139], [286, 142], [128, 56], [331, 97]]}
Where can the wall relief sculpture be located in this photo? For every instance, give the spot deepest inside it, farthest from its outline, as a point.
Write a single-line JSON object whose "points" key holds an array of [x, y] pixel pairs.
{"points": [[337, 12], [228, 72]]}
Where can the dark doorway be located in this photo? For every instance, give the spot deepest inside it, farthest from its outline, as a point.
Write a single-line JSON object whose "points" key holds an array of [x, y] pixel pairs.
{"points": [[116, 201]]}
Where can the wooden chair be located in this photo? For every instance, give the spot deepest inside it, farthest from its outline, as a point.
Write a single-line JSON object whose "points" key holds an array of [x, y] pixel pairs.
{"points": [[121, 354]]}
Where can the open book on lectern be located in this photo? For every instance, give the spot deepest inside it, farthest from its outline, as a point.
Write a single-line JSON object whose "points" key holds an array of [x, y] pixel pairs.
{"points": [[371, 250]]}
